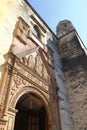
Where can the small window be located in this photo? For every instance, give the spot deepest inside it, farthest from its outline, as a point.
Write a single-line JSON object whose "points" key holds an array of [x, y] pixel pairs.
{"points": [[37, 32]]}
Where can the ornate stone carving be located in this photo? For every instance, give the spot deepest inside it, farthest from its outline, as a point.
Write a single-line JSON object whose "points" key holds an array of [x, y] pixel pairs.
{"points": [[14, 88], [40, 69], [17, 80], [1, 109], [37, 81], [24, 82], [35, 61], [24, 60], [23, 30], [25, 76], [6, 84], [31, 61], [38, 64]]}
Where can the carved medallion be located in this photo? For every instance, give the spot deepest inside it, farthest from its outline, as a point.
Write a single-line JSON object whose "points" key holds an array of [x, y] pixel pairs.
{"points": [[17, 80]]}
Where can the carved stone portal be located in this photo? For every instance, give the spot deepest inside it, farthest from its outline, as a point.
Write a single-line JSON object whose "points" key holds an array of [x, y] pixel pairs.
{"points": [[28, 85]]}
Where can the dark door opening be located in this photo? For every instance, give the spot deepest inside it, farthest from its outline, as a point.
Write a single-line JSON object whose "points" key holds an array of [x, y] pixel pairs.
{"points": [[31, 114]]}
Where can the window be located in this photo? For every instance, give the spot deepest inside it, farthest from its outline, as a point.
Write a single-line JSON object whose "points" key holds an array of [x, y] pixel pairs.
{"points": [[36, 32]]}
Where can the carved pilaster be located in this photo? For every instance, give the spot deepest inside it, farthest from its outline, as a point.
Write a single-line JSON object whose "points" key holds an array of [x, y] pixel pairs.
{"points": [[6, 85]]}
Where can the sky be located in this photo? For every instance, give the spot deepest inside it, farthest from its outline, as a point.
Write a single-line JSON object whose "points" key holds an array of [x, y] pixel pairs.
{"points": [[53, 11]]}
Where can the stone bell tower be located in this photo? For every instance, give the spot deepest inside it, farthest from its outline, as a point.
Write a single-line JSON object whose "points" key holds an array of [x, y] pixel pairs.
{"points": [[74, 61]]}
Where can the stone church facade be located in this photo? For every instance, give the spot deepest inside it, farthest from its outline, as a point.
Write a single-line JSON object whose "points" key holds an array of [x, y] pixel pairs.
{"points": [[43, 84]]}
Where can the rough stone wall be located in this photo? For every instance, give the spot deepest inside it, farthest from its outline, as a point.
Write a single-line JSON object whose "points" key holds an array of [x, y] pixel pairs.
{"points": [[65, 112], [66, 122], [76, 79], [74, 62]]}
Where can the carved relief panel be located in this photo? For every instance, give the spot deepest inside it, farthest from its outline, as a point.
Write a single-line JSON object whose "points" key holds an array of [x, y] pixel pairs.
{"points": [[35, 62]]}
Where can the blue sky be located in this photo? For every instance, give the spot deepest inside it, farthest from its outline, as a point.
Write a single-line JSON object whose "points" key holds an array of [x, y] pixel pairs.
{"points": [[53, 11]]}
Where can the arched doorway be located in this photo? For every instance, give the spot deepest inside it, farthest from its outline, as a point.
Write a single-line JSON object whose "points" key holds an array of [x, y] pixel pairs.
{"points": [[31, 113]]}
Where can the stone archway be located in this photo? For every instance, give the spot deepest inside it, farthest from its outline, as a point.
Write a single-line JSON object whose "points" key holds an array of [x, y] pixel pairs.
{"points": [[31, 113], [31, 100]]}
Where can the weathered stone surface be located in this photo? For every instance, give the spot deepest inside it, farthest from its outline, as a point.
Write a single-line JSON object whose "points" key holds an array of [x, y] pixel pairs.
{"points": [[74, 62], [65, 112]]}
